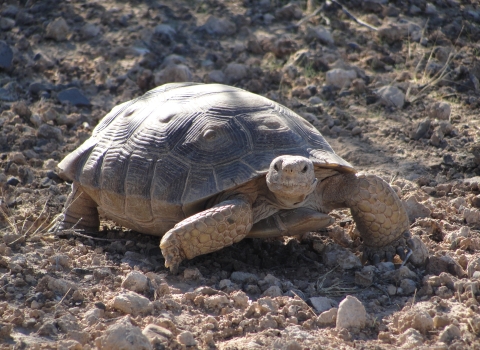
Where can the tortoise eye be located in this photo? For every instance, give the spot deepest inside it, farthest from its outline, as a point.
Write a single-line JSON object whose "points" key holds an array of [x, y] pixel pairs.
{"points": [[305, 168], [275, 167]]}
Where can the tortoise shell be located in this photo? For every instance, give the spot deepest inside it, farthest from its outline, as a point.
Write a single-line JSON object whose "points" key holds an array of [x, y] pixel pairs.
{"points": [[182, 143]]}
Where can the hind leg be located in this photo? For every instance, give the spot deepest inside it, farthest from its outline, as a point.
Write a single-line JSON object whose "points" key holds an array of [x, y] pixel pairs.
{"points": [[80, 211]]}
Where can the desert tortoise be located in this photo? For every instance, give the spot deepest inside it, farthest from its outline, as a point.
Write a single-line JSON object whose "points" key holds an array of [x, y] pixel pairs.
{"points": [[206, 165]]}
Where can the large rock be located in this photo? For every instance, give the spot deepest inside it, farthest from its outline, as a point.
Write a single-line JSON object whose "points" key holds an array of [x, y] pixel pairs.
{"points": [[123, 336], [220, 26], [351, 313], [415, 209], [334, 255], [6, 55], [235, 72]]}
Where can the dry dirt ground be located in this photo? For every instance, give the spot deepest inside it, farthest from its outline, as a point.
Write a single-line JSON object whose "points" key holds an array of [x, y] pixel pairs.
{"points": [[392, 85]]}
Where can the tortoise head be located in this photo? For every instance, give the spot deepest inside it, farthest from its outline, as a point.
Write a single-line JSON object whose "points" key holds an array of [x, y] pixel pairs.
{"points": [[291, 179]]}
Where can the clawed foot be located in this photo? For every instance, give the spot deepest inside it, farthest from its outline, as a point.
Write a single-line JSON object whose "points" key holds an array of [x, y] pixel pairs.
{"points": [[401, 247], [172, 253]]}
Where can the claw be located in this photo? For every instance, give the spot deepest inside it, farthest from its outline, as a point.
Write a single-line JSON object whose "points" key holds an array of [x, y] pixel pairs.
{"points": [[375, 259], [401, 252], [389, 256]]}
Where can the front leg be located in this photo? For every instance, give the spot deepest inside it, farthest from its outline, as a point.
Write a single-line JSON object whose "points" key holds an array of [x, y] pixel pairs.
{"points": [[220, 226], [379, 214]]}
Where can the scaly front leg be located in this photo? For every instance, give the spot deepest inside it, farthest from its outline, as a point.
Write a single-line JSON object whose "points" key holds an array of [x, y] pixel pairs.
{"points": [[220, 226]]}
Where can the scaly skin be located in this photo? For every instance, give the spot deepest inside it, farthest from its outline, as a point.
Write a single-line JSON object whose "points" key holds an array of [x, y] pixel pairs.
{"points": [[379, 214], [220, 226]]}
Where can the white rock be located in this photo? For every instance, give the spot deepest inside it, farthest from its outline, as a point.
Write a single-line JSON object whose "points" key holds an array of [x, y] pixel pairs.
{"points": [[327, 318], [58, 29], [173, 73], [132, 303], [340, 78], [235, 72], [463, 232], [216, 302], [391, 96], [321, 34], [153, 331], [471, 216], [192, 273], [59, 285], [351, 313], [135, 281], [322, 304], [440, 111], [123, 335]]}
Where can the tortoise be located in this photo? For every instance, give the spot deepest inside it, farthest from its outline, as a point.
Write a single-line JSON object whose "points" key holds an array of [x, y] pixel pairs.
{"points": [[206, 165]]}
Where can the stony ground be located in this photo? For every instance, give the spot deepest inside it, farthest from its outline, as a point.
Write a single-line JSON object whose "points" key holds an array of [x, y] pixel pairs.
{"points": [[392, 85]]}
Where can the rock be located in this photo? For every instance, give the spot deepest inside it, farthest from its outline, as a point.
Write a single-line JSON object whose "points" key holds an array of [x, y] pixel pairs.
{"points": [[289, 12], [22, 110], [351, 314], [415, 209], [438, 264], [73, 96], [450, 333], [6, 23], [123, 335], [60, 285], [392, 33], [391, 96], [46, 131], [186, 338], [219, 27], [471, 216], [322, 304], [136, 282], [58, 30], [407, 286], [415, 318], [340, 78], [165, 34], [6, 55], [243, 277], [321, 34], [411, 338], [216, 76], [440, 321], [173, 73], [419, 252], [327, 318], [365, 277], [92, 316], [69, 345], [153, 330], [5, 330], [89, 30], [273, 291], [9, 238], [420, 129], [62, 260], [132, 303], [192, 273], [235, 72], [335, 255], [473, 266], [440, 111]]}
